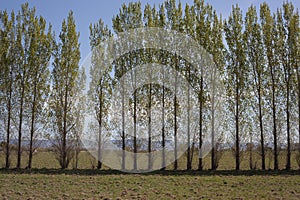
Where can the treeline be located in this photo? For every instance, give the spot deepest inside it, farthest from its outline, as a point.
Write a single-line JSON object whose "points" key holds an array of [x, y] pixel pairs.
{"points": [[257, 53], [38, 97]]}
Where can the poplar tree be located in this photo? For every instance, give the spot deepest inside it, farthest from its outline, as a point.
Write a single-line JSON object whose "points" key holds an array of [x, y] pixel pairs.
{"points": [[284, 48], [100, 89], [189, 30], [173, 20], [256, 62], [39, 75], [119, 71], [78, 116], [64, 76], [162, 23], [217, 52], [29, 48], [150, 20], [236, 70], [24, 33], [129, 17], [134, 21], [294, 43], [7, 76], [202, 37], [268, 30]]}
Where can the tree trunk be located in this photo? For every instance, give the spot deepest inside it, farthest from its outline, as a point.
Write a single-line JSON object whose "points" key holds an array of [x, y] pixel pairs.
{"points": [[7, 161], [200, 162], [123, 124], [175, 128], [189, 164], [262, 143], [288, 164], [251, 152], [274, 123], [237, 139], [213, 156], [163, 164], [99, 165], [175, 122], [64, 134], [20, 127], [237, 135], [149, 123], [32, 127], [213, 159], [135, 125]]}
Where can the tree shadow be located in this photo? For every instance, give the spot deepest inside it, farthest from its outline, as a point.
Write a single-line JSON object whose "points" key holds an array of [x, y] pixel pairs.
{"points": [[92, 172]]}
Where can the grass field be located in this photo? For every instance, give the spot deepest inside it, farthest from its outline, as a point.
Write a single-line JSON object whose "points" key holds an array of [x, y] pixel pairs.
{"points": [[86, 161], [106, 184], [46, 181]]}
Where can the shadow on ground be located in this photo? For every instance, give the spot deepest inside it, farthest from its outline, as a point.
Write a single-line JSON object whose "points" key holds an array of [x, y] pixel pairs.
{"points": [[89, 172]]}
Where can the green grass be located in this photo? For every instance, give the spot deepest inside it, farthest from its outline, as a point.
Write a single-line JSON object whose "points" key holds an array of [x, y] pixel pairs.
{"points": [[86, 161], [47, 181]]}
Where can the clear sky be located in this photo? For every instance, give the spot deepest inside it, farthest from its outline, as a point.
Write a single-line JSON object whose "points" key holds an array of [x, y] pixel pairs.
{"points": [[90, 11]]}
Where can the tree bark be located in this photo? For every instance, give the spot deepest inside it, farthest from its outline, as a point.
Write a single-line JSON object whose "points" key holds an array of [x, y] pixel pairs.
{"points": [[274, 122], [64, 134], [20, 126], [200, 161], [251, 152], [288, 164], [237, 138], [189, 164], [32, 126], [175, 127], [123, 123], [262, 143], [7, 161], [149, 123], [135, 125], [163, 164], [175, 120], [213, 143], [99, 165]]}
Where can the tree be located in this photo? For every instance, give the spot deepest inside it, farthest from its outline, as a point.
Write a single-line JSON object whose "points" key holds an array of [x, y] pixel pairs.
{"points": [[39, 75], [119, 71], [217, 52], [7, 75], [78, 114], [236, 71], [268, 29], [100, 88], [255, 60], [24, 33], [294, 43], [173, 20], [285, 45], [151, 20], [25, 58], [129, 17], [202, 34], [64, 76], [189, 30], [162, 23]]}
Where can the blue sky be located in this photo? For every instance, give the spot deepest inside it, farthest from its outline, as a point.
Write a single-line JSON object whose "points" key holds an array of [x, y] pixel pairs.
{"points": [[90, 11]]}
